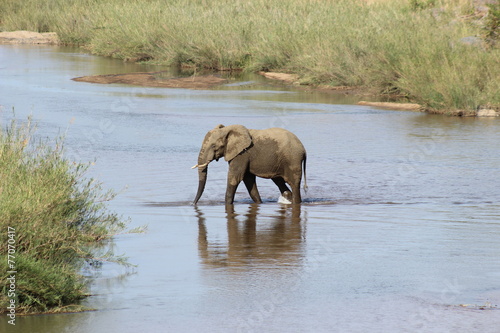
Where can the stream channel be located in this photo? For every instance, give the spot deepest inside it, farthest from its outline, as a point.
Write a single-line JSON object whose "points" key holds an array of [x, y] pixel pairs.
{"points": [[399, 227]]}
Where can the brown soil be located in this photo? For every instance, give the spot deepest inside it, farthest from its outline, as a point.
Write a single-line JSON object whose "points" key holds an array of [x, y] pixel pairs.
{"points": [[155, 79], [28, 37], [393, 106], [293, 79], [285, 77]]}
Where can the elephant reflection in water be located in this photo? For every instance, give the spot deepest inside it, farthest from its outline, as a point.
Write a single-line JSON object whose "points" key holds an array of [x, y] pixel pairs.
{"points": [[278, 242]]}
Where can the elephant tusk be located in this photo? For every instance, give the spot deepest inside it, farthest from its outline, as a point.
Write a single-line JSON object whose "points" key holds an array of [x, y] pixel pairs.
{"points": [[199, 165]]}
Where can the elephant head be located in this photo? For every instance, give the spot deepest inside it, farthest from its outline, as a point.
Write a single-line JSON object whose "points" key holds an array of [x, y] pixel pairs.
{"points": [[222, 141]]}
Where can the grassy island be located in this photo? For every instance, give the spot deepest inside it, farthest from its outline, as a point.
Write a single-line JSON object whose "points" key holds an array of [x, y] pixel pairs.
{"points": [[443, 54]]}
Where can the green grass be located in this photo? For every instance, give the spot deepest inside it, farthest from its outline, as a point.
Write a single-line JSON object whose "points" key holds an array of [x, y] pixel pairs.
{"points": [[405, 48], [59, 219]]}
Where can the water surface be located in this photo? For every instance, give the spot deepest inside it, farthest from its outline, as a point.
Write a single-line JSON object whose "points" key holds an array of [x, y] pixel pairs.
{"points": [[399, 227]]}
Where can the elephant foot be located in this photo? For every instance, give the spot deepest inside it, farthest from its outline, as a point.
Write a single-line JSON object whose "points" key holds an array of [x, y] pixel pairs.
{"points": [[285, 198]]}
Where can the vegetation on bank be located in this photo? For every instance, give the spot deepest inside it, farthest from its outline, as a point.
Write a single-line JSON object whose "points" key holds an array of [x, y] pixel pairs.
{"points": [[443, 54], [53, 222]]}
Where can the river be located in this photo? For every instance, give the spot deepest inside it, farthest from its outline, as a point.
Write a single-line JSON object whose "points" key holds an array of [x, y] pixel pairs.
{"points": [[399, 227]]}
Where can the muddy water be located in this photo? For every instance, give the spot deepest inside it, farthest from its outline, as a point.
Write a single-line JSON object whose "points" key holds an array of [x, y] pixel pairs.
{"points": [[399, 227]]}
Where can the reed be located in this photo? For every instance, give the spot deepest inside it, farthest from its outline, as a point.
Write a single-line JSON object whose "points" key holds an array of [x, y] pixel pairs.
{"points": [[412, 48]]}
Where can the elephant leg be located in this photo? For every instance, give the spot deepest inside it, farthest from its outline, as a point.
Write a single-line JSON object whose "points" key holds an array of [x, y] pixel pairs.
{"points": [[296, 198], [285, 191], [251, 185], [232, 186], [280, 182], [295, 184]]}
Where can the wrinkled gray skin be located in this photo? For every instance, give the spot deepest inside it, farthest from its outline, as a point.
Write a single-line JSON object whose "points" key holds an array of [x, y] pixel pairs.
{"points": [[273, 153]]}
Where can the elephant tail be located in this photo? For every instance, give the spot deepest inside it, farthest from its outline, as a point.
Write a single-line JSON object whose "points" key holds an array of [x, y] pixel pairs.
{"points": [[304, 170]]}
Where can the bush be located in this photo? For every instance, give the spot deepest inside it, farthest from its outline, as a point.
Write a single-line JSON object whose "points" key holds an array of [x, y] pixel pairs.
{"points": [[57, 219]]}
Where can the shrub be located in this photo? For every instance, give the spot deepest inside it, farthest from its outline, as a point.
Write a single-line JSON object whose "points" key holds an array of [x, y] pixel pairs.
{"points": [[58, 219]]}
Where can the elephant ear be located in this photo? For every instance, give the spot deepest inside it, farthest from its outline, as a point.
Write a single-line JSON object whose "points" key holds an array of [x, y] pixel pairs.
{"points": [[238, 139]]}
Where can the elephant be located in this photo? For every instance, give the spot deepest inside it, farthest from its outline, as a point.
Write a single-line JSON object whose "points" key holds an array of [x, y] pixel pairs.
{"points": [[278, 243], [273, 153]]}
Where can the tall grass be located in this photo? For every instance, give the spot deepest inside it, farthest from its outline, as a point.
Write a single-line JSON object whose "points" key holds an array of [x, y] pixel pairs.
{"points": [[408, 48], [59, 218]]}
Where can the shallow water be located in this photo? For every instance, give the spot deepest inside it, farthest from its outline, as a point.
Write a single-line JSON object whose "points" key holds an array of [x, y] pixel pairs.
{"points": [[400, 224]]}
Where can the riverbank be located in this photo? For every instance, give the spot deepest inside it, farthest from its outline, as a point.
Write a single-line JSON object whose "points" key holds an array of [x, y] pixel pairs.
{"points": [[54, 224], [156, 79], [441, 54]]}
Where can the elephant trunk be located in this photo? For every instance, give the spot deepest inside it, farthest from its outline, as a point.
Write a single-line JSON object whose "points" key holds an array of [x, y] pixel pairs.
{"points": [[202, 176], [203, 161]]}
